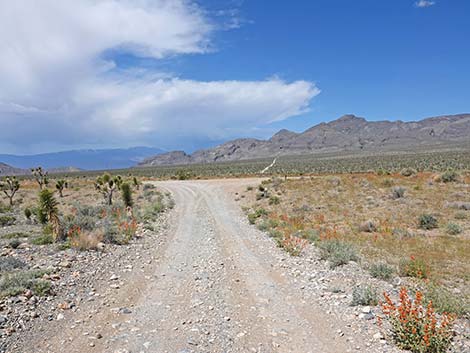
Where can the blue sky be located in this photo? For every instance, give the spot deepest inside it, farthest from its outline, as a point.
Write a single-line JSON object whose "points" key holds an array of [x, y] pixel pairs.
{"points": [[184, 74], [377, 59]]}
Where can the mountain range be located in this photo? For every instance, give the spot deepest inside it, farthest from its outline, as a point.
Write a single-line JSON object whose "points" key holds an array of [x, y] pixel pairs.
{"points": [[82, 159], [346, 134]]}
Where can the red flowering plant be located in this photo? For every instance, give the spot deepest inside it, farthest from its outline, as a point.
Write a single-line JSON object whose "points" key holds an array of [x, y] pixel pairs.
{"points": [[416, 327]]}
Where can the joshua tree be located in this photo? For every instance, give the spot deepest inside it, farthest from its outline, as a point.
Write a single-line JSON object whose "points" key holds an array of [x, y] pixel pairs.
{"points": [[107, 184], [48, 208], [61, 185], [10, 186], [41, 176]]}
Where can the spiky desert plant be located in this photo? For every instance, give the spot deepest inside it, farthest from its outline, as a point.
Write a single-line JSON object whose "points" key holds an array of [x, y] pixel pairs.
{"points": [[136, 183], [48, 207], [107, 185], [126, 194], [60, 185], [41, 177], [10, 186]]}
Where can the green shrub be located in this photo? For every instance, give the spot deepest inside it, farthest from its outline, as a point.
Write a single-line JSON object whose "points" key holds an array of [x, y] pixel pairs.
{"points": [[267, 224], [309, 234], [364, 295], [14, 235], [337, 252], [252, 217], [407, 172], [427, 222], [14, 243], [453, 228], [413, 268], [274, 200], [27, 213], [446, 302], [16, 283], [449, 176], [381, 270], [398, 192], [8, 263], [6, 220], [43, 239], [4, 208], [460, 215], [126, 194]]}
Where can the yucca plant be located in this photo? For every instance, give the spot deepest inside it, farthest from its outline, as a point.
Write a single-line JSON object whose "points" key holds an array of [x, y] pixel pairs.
{"points": [[126, 194], [48, 208]]}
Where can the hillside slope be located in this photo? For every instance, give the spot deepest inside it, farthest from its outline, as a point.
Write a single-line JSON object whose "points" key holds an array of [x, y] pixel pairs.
{"points": [[346, 134]]}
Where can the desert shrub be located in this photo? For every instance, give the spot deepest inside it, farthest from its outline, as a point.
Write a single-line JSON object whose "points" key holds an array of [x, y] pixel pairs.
{"points": [[446, 302], [407, 172], [460, 215], [292, 245], [6, 220], [8, 263], [274, 200], [309, 234], [381, 270], [387, 183], [249, 188], [87, 218], [267, 224], [4, 208], [126, 195], [85, 240], [368, 226], [427, 222], [252, 217], [398, 192], [153, 210], [416, 327], [14, 235], [413, 267], [149, 187], [111, 234], [364, 295], [337, 252], [382, 172], [453, 228], [449, 176], [43, 239], [27, 213], [275, 233], [403, 233], [14, 243], [17, 282]]}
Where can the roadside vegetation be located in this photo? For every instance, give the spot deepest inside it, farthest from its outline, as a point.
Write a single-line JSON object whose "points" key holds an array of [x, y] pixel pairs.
{"points": [[410, 225], [69, 214]]}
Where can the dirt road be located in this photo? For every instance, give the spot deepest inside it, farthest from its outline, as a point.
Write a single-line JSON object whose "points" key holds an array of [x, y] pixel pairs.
{"points": [[212, 286]]}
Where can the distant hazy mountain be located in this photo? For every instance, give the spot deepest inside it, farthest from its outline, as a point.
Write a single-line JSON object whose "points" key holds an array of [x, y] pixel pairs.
{"points": [[83, 159], [346, 134], [6, 169]]}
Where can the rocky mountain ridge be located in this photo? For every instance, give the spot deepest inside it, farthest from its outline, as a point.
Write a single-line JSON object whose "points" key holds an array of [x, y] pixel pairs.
{"points": [[346, 134]]}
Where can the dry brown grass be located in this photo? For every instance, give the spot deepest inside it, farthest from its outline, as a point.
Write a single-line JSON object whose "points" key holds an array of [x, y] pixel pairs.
{"points": [[87, 240], [336, 205]]}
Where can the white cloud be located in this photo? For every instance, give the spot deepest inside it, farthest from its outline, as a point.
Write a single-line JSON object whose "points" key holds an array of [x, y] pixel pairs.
{"points": [[424, 3], [57, 85]]}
